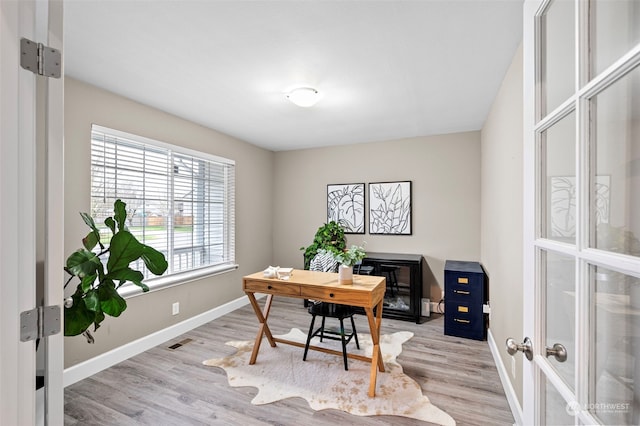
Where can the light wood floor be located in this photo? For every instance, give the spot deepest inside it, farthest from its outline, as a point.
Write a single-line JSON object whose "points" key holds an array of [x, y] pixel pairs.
{"points": [[166, 386]]}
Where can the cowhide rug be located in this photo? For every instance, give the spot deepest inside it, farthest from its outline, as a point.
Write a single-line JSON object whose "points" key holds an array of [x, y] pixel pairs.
{"points": [[280, 373]]}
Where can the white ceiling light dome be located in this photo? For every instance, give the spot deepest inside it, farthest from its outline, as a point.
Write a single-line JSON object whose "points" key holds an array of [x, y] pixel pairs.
{"points": [[304, 96]]}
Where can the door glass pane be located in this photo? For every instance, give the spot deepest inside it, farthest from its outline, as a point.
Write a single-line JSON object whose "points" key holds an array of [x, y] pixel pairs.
{"points": [[558, 53], [558, 151], [615, 190], [615, 361], [615, 29], [560, 311], [557, 411]]}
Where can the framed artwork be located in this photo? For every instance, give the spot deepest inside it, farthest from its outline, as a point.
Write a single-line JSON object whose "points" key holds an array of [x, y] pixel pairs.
{"points": [[563, 204], [390, 208], [345, 205]]}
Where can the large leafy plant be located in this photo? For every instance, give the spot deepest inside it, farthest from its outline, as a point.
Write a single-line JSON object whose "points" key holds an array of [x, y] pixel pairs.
{"points": [[330, 237], [97, 292]]}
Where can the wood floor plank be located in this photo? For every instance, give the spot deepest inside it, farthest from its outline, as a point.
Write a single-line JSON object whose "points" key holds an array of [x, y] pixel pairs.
{"points": [[164, 386]]}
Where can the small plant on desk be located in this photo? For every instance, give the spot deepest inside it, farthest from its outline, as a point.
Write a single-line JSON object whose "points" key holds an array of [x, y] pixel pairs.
{"points": [[351, 256], [347, 258]]}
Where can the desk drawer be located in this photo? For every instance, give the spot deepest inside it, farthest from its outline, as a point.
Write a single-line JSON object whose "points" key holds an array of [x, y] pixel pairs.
{"points": [[345, 296], [272, 287]]}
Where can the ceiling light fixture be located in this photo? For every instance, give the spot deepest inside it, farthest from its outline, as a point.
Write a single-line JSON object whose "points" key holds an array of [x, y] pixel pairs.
{"points": [[304, 96]]}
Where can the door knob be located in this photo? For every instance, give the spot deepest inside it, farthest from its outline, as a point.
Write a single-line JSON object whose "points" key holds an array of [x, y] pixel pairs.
{"points": [[526, 347], [558, 351]]}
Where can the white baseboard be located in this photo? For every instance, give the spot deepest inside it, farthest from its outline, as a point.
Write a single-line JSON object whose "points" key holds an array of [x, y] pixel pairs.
{"points": [[512, 398], [94, 365]]}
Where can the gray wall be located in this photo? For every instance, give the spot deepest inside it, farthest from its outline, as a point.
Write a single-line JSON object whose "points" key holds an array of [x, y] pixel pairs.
{"points": [[445, 175], [501, 217], [150, 312]]}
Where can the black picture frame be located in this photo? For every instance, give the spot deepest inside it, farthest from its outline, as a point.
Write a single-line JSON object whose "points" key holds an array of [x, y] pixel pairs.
{"points": [[345, 205], [390, 208]]}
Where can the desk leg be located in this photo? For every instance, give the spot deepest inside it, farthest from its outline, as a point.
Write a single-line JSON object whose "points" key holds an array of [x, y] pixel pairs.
{"points": [[376, 355], [264, 328], [378, 326]]}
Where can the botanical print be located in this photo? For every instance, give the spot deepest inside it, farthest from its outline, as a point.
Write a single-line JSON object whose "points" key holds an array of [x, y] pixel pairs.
{"points": [[345, 205], [563, 204], [390, 208], [563, 207]]}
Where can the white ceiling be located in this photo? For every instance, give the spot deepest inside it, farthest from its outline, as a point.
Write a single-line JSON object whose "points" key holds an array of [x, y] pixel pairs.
{"points": [[386, 69]]}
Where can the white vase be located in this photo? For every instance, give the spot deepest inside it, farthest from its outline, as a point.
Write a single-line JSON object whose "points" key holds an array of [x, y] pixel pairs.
{"points": [[345, 274]]}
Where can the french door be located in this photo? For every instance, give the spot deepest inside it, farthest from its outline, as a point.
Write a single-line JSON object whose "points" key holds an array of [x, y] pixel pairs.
{"points": [[582, 211]]}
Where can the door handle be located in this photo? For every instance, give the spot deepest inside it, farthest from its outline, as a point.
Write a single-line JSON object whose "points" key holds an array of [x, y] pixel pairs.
{"points": [[558, 351], [526, 347]]}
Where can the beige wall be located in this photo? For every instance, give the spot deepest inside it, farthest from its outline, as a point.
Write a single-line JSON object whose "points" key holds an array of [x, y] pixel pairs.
{"points": [[150, 312], [445, 175], [501, 213], [281, 201]]}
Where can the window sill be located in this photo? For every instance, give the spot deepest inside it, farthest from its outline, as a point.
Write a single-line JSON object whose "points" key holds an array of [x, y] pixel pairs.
{"points": [[159, 283]]}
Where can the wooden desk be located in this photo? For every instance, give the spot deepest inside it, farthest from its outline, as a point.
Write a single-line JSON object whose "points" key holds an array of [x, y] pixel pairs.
{"points": [[366, 292]]}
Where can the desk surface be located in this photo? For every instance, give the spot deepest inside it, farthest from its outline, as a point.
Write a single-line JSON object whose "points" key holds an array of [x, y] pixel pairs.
{"points": [[366, 290]]}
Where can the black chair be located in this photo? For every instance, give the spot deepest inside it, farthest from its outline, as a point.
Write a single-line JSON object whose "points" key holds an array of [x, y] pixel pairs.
{"points": [[327, 263], [332, 310]]}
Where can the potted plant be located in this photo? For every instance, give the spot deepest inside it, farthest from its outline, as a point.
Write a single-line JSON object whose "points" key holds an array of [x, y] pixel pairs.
{"points": [[330, 237], [97, 291], [347, 258]]}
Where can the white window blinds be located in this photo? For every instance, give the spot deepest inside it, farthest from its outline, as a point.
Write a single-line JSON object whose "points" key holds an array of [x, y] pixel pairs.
{"points": [[179, 201]]}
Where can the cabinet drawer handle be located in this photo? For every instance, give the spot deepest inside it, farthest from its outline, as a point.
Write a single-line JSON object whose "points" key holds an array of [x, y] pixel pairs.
{"points": [[461, 292], [462, 320], [269, 287], [330, 294]]}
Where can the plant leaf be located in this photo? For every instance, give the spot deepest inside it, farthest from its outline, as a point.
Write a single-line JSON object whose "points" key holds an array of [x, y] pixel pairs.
{"points": [[87, 281], [98, 319], [77, 318], [124, 249], [110, 301], [120, 214], [111, 224], [90, 241], [89, 221], [154, 260], [95, 239], [82, 263], [128, 274], [91, 301]]}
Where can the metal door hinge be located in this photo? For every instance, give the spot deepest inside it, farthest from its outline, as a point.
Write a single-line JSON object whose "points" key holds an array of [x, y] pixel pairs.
{"points": [[40, 322], [40, 59]]}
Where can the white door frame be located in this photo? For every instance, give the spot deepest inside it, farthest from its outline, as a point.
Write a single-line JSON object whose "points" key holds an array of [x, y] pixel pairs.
{"points": [[529, 391], [53, 198], [18, 130]]}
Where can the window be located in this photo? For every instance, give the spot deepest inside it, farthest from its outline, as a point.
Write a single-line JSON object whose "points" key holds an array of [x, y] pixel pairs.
{"points": [[179, 201]]}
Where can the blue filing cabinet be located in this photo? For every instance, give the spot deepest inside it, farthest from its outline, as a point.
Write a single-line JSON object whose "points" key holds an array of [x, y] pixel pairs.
{"points": [[465, 293]]}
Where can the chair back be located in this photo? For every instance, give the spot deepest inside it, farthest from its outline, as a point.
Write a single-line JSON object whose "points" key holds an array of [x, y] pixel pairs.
{"points": [[324, 262]]}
